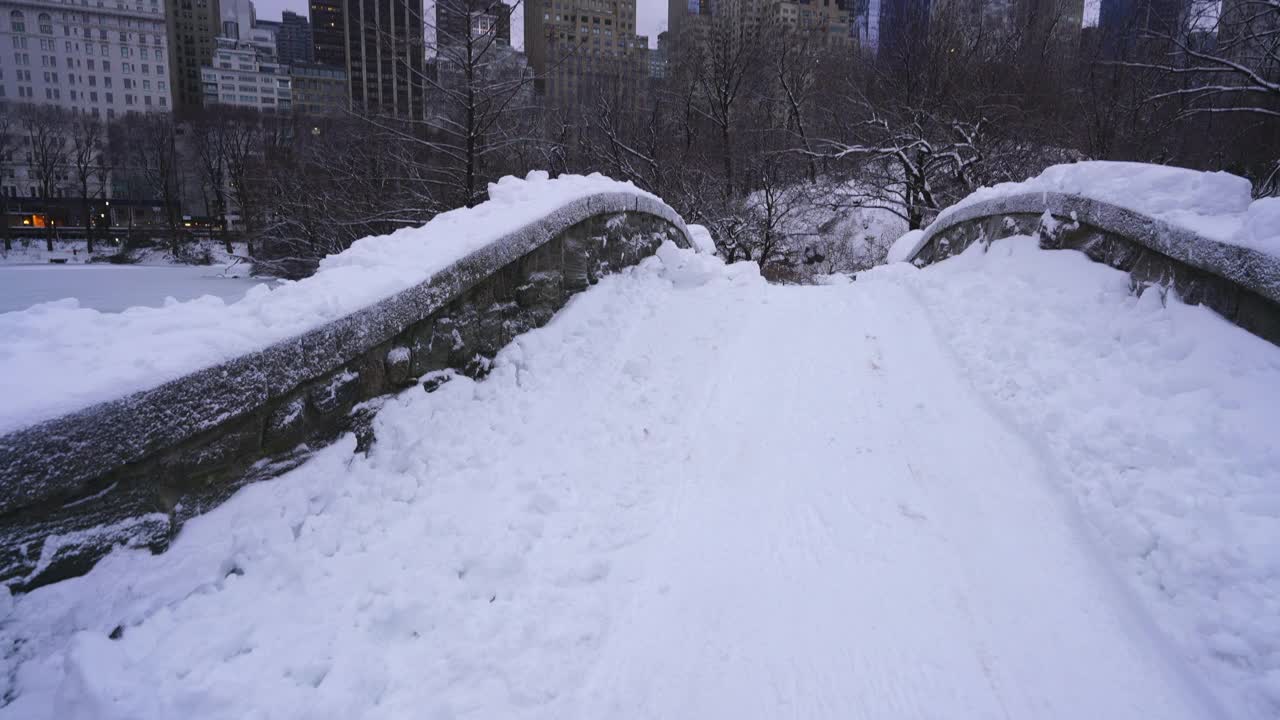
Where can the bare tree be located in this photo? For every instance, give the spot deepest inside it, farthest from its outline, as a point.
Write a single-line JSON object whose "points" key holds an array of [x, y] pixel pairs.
{"points": [[149, 146], [8, 144], [46, 129], [907, 155], [726, 64], [208, 145], [88, 166], [1240, 73]]}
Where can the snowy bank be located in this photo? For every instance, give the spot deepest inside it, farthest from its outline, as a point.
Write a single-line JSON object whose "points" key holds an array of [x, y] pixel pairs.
{"points": [[60, 357], [1216, 205]]}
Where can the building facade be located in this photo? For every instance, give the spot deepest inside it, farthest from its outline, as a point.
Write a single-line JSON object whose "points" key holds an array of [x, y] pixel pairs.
{"points": [[385, 49], [98, 60], [826, 20], [581, 46], [328, 33], [1125, 26], [293, 39], [193, 28], [242, 75], [318, 89], [455, 19]]}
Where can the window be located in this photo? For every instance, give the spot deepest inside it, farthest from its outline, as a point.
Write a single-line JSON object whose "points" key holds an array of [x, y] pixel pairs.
{"points": [[16, 21], [46, 24]]}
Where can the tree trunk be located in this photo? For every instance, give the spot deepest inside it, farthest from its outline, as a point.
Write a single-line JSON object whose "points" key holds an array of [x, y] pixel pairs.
{"points": [[88, 217], [728, 160], [48, 227], [4, 222]]}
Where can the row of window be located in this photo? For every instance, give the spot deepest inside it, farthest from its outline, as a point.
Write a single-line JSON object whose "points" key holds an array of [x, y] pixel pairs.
{"points": [[20, 43], [49, 61], [44, 24], [90, 96]]}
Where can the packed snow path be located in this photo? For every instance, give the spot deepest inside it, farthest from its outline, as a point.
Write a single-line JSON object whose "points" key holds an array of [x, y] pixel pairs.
{"points": [[694, 495]]}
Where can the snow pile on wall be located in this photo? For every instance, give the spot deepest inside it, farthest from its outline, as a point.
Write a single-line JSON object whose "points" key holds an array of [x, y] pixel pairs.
{"points": [[1216, 205], [59, 357], [701, 238], [905, 247]]}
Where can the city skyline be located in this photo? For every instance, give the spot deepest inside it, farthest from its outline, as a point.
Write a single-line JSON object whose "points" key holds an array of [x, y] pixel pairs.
{"points": [[651, 16]]}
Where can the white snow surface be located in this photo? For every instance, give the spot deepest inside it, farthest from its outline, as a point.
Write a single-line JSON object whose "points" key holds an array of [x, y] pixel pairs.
{"points": [[1216, 205], [59, 357], [1000, 486], [905, 247], [701, 238], [113, 288]]}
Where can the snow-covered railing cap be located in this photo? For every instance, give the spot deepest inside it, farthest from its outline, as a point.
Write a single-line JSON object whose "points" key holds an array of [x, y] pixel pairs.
{"points": [[1253, 269]]}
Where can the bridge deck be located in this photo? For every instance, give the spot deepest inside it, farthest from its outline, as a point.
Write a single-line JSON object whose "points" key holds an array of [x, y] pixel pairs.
{"points": [[695, 495]]}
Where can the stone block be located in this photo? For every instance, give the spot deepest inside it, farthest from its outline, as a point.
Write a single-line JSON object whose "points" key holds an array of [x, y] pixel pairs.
{"points": [[335, 393], [399, 366]]}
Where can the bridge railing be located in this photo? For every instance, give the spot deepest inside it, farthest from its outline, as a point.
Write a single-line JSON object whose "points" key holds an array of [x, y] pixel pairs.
{"points": [[132, 470], [1240, 283]]}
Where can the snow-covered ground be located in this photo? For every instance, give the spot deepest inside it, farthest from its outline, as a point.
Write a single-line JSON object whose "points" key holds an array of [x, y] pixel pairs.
{"points": [[68, 252], [62, 357], [1217, 205], [112, 288], [996, 487]]}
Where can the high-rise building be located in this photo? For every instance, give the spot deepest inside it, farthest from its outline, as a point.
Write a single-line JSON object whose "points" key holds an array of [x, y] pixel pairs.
{"points": [[318, 89], [244, 74], [902, 24], [384, 55], [99, 60], [1125, 25], [455, 19], [580, 46], [864, 24], [682, 13], [293, 39], [825, 19], [193, 29], [328, 33]]}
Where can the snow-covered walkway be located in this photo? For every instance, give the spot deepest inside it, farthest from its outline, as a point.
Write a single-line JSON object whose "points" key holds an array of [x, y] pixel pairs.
{"points": [[695, 495]]}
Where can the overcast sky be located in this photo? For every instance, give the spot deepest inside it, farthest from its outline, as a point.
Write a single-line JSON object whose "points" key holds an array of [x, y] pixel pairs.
{"points": [[651, 21]]}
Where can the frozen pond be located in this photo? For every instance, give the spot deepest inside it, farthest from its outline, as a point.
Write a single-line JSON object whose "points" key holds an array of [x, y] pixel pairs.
{"points": [[112, 288]]}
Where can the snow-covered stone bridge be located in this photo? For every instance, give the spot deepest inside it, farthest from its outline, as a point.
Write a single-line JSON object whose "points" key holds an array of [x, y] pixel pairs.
{"points": [[1004, 485]]}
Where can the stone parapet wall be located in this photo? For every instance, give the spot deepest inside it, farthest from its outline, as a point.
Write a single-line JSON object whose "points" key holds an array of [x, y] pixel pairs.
{"points": [[1239, 283], [131, 471]]}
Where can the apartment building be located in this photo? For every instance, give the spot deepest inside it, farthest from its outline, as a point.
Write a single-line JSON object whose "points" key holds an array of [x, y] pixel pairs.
{"points": [[580, 46], [106, 60]]}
